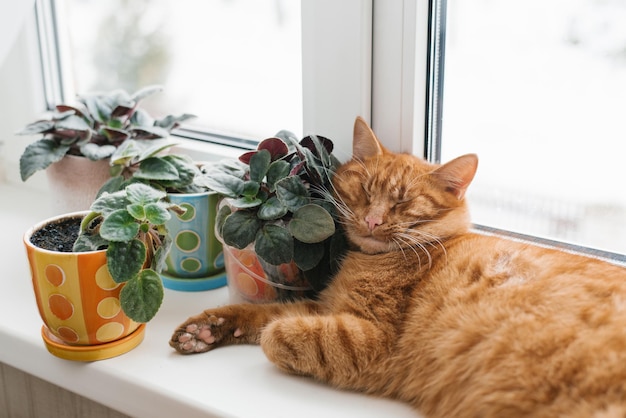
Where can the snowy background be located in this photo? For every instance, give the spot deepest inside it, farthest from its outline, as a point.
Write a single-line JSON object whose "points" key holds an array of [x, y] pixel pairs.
{"points": [[537, 89]]}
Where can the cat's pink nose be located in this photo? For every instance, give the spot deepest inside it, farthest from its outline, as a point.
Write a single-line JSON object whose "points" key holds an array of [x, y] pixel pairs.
{"points": [[373, 221]]}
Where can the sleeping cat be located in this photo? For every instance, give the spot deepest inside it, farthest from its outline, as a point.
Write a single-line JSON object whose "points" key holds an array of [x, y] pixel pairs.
{"points": [[423, 310]]}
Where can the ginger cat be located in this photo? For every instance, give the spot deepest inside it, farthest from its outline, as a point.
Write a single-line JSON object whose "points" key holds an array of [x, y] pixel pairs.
{"points": [[455, 323]]}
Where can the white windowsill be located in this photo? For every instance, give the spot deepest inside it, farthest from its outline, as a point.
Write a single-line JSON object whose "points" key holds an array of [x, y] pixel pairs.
{"points": [[152, 380]]}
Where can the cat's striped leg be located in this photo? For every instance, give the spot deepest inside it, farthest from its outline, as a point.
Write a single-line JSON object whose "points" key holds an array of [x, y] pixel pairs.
{"points": [[338, 349], [232, 324]]}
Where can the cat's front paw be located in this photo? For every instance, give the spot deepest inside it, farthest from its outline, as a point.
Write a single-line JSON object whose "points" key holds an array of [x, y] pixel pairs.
{"points": [[202, 333]]}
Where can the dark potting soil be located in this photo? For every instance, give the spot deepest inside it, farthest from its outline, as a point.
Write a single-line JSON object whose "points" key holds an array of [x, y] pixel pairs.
{"points": [[57, 236]]}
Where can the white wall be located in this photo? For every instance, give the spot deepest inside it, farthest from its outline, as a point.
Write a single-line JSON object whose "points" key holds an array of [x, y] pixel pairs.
{"points": [[21, 101]]}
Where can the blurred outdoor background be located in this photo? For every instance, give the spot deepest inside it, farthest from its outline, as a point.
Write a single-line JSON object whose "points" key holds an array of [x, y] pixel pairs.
{"points": [[536, 88]]}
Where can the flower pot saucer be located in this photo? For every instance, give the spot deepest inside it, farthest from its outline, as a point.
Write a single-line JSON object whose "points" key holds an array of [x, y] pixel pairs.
{"points": [[92, 352], [194, 285]]}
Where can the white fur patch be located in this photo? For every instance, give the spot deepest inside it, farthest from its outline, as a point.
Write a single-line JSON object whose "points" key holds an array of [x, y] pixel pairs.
{"points": [[503, 266], [513, 281], [619, 303]]}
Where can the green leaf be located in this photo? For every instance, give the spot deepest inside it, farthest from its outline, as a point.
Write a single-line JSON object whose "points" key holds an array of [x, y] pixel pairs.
{"points": [[250, 189], [259, 164], [311, 223], [83, 138], [147, 132], [142, 296], [152, 148], [137, 211], [287, 136], [116, 123], [97, 152], [186, 167], [315, 169], [110, 202], [160, 255], [292, 193], [145, 92], [169, 122], [223, 212], [222, 183], [119, 226], [86, 242], [99, 107], [37, 127], [112, 185], [157, 214], [155, 168], [272, 209], [274, 244], [240, 229], [39, 155], [139, 117], [72, 123], [114, 134], [278, 170], [246, 202], [128, 150], [119, 98], [125, 259], [143, 194], [307, 256]]}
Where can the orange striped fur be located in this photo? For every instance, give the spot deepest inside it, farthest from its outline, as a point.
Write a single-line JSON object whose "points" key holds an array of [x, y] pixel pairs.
{"points": [[425, 311]]}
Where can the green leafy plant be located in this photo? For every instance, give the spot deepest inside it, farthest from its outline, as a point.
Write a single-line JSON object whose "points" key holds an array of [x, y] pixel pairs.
{"points": [[143, 162], [93, 127], [130, 224], [276, 200]]}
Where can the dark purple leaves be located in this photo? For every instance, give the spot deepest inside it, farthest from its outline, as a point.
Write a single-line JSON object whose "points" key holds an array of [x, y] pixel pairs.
{"points": [[276, 147], [312, 145]]}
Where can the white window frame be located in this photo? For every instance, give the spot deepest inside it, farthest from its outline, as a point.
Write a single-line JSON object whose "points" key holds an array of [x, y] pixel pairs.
{"points": [[400, 71], [373, 52], [389, 74]]}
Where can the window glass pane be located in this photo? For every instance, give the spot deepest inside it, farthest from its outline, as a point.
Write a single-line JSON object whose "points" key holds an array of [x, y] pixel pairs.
{"points": [[536, 88], [236, 64]]}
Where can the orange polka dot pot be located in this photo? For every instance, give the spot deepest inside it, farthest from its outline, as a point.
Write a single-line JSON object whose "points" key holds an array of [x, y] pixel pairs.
{"points": [[79, 302]]}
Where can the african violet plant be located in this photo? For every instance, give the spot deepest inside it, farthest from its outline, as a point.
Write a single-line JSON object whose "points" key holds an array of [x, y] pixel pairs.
{"points": [[143, 162], [130, 224], [276, 200], [94, 127]]}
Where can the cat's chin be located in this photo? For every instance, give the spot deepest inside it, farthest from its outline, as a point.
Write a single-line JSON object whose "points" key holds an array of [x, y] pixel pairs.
{"points": [[370, 245]]}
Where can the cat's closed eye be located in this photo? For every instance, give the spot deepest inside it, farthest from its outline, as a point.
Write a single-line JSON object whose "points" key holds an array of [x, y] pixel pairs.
{"points": [[404, 199], [366, 193]]}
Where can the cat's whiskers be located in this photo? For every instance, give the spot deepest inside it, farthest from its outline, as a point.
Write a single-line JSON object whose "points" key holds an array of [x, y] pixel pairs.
{"points": [[415, 245], [398, 242], [401, 244], [346, 214], [420, 238], [430, 239]]}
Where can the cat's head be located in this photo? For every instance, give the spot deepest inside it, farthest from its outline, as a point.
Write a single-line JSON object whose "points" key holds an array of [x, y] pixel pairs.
{"points": [[391, 201]]}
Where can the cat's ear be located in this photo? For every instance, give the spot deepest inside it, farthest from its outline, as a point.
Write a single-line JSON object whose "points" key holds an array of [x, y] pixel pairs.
{"points": [[457, 174], [365, 144]]}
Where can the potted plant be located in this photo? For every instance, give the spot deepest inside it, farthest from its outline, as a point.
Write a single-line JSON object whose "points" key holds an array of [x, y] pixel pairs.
{"points": [[95, 289], [92, 128], [277, 225], [195, 261]]}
